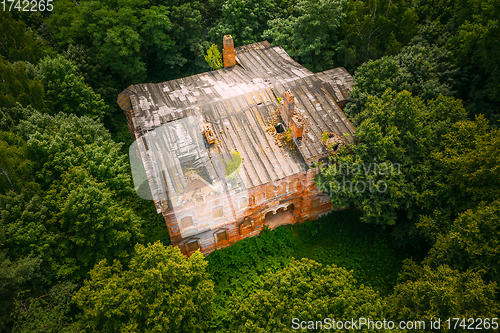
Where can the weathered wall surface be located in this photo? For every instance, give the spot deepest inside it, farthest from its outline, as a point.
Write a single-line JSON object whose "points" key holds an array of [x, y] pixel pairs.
{"points": [[245, 216]]}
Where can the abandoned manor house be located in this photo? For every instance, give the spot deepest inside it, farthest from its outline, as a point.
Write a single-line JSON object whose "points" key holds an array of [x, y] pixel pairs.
{"points": [[224, 153]]}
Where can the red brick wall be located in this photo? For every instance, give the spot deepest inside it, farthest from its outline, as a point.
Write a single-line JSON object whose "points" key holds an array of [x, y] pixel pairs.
{"points": [[301, 191]]}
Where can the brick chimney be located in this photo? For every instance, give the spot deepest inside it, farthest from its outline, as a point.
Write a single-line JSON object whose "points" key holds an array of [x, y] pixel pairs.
{"points": [[289, 103], [297, 125], [287, 107], [228, 53]]}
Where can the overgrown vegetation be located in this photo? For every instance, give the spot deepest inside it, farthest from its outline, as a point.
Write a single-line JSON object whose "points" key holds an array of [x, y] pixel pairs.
{"points": [[214, 58], [338, 238], [232, 163], [427, 100]]}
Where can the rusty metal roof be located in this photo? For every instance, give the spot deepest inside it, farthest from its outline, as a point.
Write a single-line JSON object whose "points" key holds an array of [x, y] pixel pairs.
{"points": [[239, 103]]}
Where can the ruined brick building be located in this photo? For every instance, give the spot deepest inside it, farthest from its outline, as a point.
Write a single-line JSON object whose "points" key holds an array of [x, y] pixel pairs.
{"points": [[214, 160]]}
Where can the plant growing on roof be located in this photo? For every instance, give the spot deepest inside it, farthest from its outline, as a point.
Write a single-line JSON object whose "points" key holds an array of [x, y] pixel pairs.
{"points": [[324, 137], [214, 58], [232, 164]]}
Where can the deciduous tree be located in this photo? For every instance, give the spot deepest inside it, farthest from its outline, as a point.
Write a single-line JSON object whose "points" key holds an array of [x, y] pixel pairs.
{"points": [[305, 290], [16, 86], [243, 20], [66, 90], [312, 36], [161, 290], [375, 28], [14, 274], [463, 172], [473, 242], [425, 293], [49, 312], [421, 69], [91, 224]]}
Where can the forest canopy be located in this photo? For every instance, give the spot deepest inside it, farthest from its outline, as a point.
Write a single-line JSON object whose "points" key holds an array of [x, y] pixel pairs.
{"points": [[79, 252]]}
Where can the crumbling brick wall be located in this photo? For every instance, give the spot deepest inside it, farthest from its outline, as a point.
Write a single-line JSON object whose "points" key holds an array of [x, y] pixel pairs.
{"points": [[298, 192]]}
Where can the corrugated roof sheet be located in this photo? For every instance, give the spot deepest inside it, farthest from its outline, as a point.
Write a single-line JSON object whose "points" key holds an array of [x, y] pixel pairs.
{"points": [[239, 102]]}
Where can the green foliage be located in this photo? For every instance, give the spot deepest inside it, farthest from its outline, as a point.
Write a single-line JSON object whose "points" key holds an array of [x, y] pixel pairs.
{"points": [[376, 28], [47, 313], [469, 29], [214, 58], [82, 218], [236, 270], [324, 137], [10, 117], [62, 141], [424, 293], [13, 276], [20, 43], [478, 41], [312, 34], [473, 242], [425, 71], [232, 163], [24, 224], [243, 20], [161, 290], [15, 166], [95, 73], [306, 290], [380, 174], [339, 238], [464, 173], [134, 38], [17, 87], [66, 89], [91, 224]]}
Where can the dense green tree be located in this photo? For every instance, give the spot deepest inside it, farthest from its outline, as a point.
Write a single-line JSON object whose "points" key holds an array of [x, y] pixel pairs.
{"points": [[382, 173], [16, 86], [14, 274], [436, 10], [47, 313], [312, 36], [10, 117], [66, 90], [87, 180], [378, 176], [58, 142], [375, 28], [244, 20], [306, 290], [463, 173], [476, 47], [95, 73], [473, 242], [424, 293], [161, 290], [91, 224], [132, 36], [421, 69], [185, 56], [24, 224], [469, 30], [16, 168], [18, 42]]}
